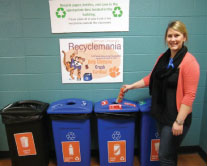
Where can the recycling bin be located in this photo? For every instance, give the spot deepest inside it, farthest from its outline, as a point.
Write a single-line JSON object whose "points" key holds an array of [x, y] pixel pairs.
{"points": [[150, 139], [71, 131], [27, 132], [116, 125]]}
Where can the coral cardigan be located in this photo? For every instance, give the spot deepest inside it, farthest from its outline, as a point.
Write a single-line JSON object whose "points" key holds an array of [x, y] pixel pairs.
{"points": [[189, 73]]}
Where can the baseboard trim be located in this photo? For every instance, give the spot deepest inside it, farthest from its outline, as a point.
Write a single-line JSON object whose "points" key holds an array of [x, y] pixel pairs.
{"points": [[193, 149], [188, 149], [4, 154], [182, 150], [203, 154]]}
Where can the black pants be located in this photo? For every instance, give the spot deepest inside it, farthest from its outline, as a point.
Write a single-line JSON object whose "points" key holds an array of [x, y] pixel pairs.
{"points": [[169, 145]]}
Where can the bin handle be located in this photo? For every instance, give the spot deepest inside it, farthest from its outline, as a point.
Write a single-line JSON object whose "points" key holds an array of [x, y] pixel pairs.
{"points": [[117, 115]]}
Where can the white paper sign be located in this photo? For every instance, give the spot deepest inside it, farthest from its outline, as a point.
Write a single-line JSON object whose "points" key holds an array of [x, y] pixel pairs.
{"points": [[94, 60], [89, 15]]}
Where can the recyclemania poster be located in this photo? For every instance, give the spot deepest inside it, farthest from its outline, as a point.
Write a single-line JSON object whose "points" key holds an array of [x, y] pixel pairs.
{"points": [[95, 60]]}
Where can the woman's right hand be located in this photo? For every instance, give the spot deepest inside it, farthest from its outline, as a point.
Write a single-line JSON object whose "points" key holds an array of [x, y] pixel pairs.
{"points": [[126, 88], [136, 85]]}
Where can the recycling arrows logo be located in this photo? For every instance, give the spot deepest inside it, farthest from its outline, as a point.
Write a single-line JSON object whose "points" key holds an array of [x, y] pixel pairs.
{"points": [[70, 136], [116, 135], [117, 12], [60, 13]]}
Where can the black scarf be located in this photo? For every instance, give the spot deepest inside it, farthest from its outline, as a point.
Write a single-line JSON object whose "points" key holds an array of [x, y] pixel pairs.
{"points": [[158, 80]]}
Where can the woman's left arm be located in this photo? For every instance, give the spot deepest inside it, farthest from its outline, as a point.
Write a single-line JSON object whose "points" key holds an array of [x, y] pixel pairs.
{"points": [[177, 127], [191, 76]]}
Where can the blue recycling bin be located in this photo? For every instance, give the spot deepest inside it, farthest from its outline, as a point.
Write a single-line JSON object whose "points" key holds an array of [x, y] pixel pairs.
{"points": [[150, 140], [116, 125], [71, 131]]}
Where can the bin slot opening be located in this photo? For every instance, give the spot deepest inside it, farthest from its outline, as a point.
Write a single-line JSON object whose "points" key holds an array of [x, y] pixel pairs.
{"points": [[114, 102], [70, 103]]}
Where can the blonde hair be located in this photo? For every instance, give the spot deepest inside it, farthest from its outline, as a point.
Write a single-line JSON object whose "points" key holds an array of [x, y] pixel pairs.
{"points": [[177, 26]]}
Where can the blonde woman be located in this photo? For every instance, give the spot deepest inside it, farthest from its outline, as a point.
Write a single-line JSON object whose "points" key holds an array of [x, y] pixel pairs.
{"points": [[172, 84]]}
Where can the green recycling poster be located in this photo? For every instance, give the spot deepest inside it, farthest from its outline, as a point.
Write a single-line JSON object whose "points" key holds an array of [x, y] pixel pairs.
{"points": [[68, 16]]}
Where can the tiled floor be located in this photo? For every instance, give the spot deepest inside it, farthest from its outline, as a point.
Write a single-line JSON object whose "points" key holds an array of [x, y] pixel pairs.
{"points": [[183, 160]]}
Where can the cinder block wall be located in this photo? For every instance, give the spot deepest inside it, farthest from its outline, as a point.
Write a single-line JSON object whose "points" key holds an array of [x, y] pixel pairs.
{"points": [[203, 134], [30, 62]]}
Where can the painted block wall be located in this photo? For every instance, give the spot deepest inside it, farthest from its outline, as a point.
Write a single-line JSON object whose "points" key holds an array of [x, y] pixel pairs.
{"points": [[30, 62], [203, 135]]}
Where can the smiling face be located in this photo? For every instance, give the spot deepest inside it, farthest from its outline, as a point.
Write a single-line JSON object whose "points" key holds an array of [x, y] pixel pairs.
{"points": [[174, 40]]}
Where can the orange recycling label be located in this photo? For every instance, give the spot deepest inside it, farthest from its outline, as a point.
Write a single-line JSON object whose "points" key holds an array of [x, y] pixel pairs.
{"points": [[25, 144], [116, 151], [155, 144], [115, 107], [71, 151]]}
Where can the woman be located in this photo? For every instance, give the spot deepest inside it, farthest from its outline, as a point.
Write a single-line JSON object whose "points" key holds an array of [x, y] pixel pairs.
{"points": [[172, 84]]}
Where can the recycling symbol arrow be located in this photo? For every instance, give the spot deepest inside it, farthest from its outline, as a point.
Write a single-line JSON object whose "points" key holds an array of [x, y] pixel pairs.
{"points": [[60, 13], [117, 12]]}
